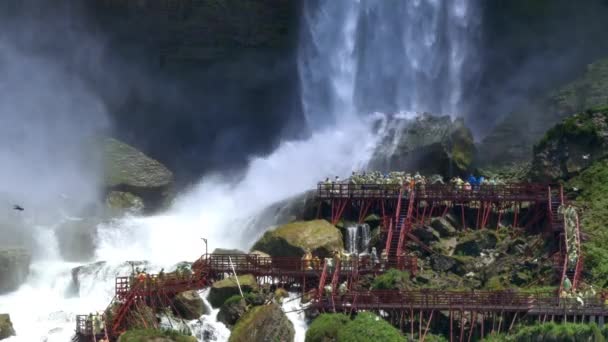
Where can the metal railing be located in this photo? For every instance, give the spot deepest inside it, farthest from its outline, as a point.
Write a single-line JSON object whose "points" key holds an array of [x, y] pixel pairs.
{"points": [[507, 192], [487, 300]]}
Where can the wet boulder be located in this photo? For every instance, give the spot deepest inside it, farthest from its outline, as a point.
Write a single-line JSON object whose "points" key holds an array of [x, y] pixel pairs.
{"points": [[224, 289], [442, 263], [14, 268], [473, 244], [428, 143], [6, 327], [292, 239], [121, 202], [263, 323], [128, 170], [443, 226], [426, 234], [189, 305], [232, 309]]}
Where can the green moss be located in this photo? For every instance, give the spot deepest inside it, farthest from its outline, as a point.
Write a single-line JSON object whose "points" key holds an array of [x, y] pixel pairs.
{"points": [[6, 327], [225, 289], [579, 127], [125, 165], [263, 323], [392, 280], [593, 187], [369, 327], [145, 335], [320, 236], [325, 327]]}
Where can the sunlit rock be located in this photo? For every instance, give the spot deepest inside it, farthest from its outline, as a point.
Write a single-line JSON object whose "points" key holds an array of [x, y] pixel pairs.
{"points": [[263, 323], [129, 170], [189, 305], [224, 289], [6, 327], [292, 239]]}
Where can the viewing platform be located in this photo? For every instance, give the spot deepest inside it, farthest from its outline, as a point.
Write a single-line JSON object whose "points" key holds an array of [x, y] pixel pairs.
{"points": [[516, 192]]}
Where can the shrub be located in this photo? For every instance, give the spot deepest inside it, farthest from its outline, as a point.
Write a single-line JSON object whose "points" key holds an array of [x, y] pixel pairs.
{"points": [[369, 327], [391, 280], [325, 327], [143, 335]]}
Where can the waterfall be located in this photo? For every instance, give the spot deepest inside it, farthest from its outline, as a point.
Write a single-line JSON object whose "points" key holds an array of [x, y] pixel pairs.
{"points": [[351, 243], [358, 57], [366, 238], [355, 57], [358, 239]]}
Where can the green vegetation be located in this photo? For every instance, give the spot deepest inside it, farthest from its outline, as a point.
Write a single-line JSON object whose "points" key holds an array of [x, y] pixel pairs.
{"points": [[325, 328], [593, 187], [391, 280], [227, 288], [580, 127], [554, 332], [146, 335], [369, 327]]}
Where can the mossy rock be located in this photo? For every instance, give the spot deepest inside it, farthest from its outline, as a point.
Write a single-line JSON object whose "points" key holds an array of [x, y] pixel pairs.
{"points": [[261, 324], [293, 239], [232, 309], [571, 146], [369, 327], [227, 251], [442, 263], [189, 305], [325, 327], [443, 226], [14, 268], [154, 335], [119, 202], [280, 294], [6, 327], [129, 170], [473, 243], [224, 289]]}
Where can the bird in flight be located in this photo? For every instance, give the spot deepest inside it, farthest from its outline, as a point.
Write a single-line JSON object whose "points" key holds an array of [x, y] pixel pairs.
{"points": [[18, 207]]}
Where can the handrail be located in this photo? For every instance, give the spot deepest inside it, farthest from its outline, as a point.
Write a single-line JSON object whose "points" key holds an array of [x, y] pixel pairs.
{"points": [[407, 222], [511, 191], [389, 237]]}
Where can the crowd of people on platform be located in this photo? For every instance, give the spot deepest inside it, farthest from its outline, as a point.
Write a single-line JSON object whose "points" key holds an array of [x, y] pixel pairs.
{"points": [[374, 181]]}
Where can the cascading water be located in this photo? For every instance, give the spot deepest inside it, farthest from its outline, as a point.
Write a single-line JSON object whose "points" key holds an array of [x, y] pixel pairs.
{"points": [[387, 56], [366, 238], [355, 58], [351, 243]]}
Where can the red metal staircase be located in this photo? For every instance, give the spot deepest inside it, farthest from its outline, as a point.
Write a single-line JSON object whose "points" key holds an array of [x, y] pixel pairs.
{"points": [[405, 228]]}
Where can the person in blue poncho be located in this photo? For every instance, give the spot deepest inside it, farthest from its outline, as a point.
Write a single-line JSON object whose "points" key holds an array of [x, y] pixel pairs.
{"points": [[472, 180]]}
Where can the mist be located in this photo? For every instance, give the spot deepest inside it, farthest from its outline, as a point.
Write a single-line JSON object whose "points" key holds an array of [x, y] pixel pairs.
{"points": [[49, 119]]}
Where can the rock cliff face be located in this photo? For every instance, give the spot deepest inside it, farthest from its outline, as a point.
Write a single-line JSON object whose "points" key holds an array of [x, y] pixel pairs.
{"points": [[217, 76], [514, 137]]}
